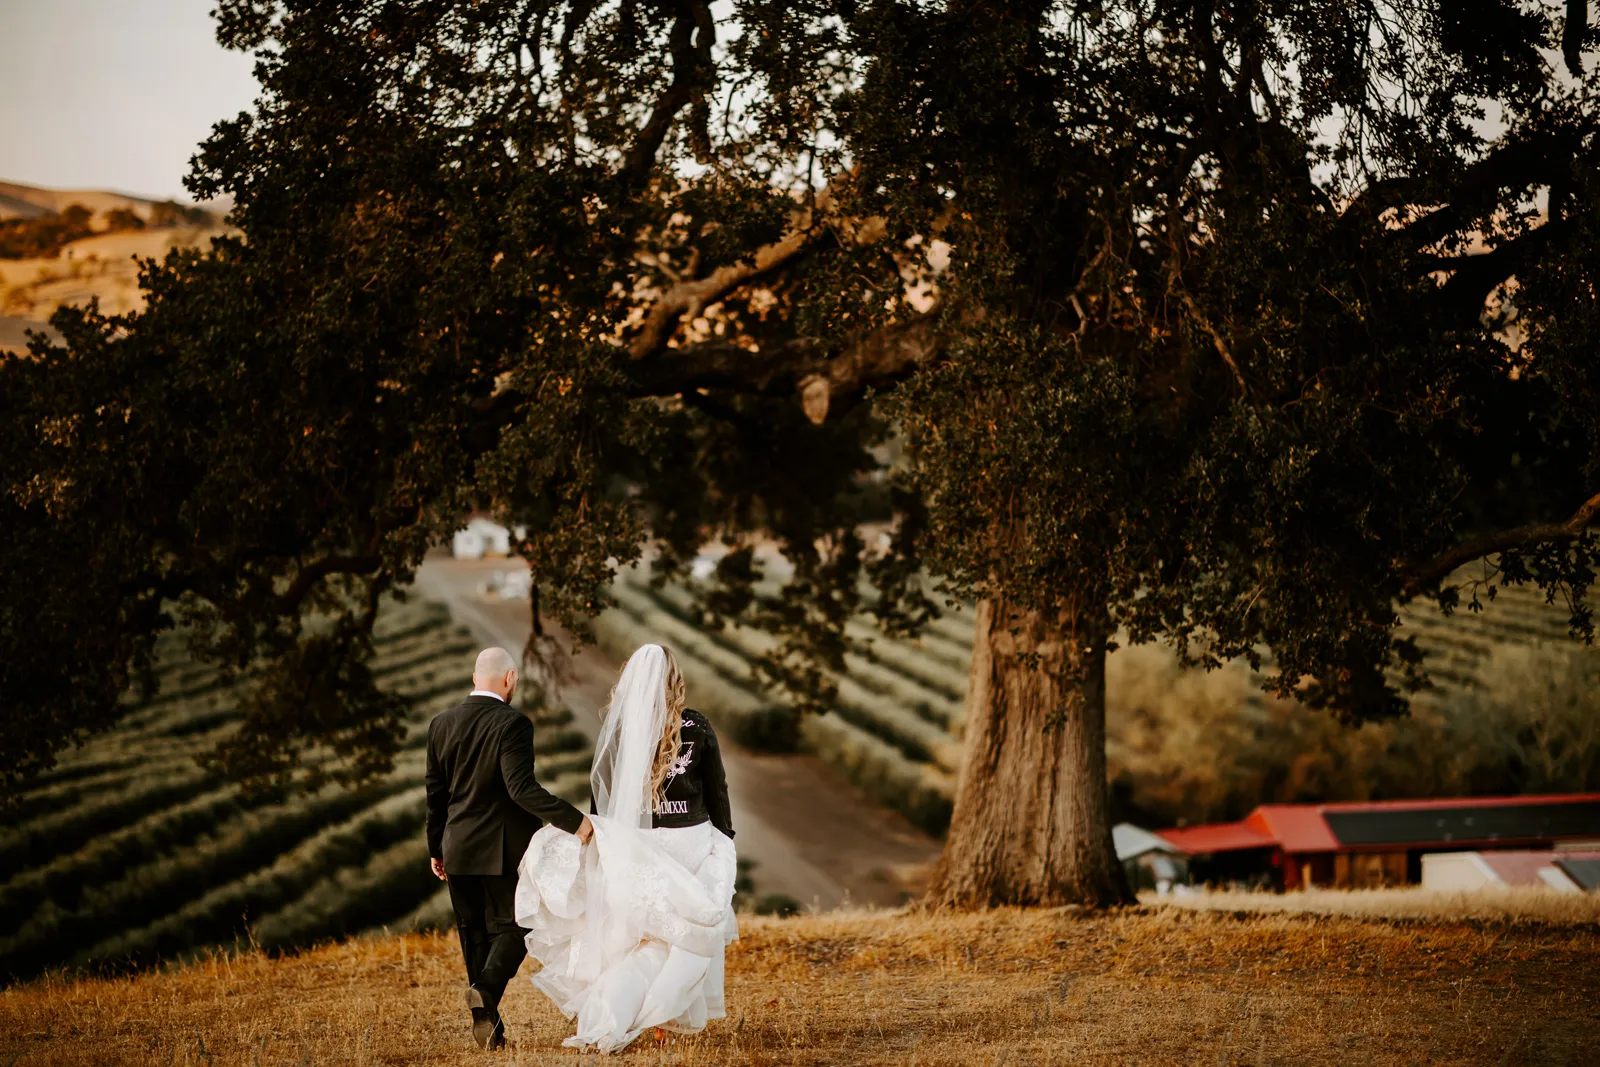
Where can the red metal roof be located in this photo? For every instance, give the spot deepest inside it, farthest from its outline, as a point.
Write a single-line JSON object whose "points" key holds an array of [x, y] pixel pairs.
{"points": [[1300, 828], [1450, 802], [1218, 837], [1295, 827]]}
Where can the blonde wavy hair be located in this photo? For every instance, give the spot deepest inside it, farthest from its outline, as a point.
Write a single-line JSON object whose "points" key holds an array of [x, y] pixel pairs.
{"points": [[671, 734]]}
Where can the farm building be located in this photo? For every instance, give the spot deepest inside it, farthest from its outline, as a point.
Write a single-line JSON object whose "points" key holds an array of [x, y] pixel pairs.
{"points": [[484, 537], [1151, 862], [1367, 845], [480, 537]]}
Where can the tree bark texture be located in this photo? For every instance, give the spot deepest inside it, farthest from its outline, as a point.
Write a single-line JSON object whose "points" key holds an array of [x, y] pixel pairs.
{"points": [[1031, 824]]}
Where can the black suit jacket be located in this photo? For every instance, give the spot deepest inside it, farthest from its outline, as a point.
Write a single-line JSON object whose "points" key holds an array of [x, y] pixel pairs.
{"points": [[483, 800]]}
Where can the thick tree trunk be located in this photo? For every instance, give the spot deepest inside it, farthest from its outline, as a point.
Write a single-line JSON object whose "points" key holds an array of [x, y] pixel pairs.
{"points": [[1032, 817]]}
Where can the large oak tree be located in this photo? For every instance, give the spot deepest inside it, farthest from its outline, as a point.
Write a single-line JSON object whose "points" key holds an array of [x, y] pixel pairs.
{"points": [[1226, 323]]}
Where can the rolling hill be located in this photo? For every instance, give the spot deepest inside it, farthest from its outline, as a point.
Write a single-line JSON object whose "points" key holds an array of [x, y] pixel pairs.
{"points": [[101, 266], [19, 201], [128, 851]]}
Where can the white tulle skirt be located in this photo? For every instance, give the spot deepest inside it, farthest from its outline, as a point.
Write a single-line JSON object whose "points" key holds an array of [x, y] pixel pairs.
{"points": [[631, 928]]}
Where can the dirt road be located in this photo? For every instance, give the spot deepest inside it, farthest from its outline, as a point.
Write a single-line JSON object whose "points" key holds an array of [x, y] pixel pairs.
{"points": [[811, 834]]}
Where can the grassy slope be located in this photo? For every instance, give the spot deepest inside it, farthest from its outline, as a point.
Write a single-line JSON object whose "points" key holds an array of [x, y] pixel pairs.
{"points": [[100, 267], [1149, 985]]}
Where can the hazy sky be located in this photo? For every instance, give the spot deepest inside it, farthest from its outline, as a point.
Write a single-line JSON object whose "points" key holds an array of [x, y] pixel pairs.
{"points": [[112, 94]]}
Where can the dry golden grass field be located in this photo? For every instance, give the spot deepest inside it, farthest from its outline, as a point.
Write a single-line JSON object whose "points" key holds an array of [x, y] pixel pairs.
{"points": [[1145, 985], [100, 267]]}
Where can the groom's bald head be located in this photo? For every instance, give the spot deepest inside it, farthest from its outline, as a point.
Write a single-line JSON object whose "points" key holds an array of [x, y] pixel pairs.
{"points": [[495, 671]]}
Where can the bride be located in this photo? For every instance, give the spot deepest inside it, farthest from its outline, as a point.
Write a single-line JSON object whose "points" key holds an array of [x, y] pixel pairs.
{"points": [[631, 927]]}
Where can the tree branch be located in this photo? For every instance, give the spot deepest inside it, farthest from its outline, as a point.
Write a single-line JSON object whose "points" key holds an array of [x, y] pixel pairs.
{"points": [[312, 573], [1476, 276], [1216, 338], [1501, 540], [691, 65], [1383, 194], [691, 297], [1573, 32], [1537, 160], [723, 365], [880, 358]]}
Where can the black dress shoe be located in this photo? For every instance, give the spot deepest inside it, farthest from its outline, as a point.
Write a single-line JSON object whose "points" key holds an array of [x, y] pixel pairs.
{"points": [[487, 1028]]}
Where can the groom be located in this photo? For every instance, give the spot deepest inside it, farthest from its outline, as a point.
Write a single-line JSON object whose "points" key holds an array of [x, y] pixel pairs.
{"points": [[483, 806]]}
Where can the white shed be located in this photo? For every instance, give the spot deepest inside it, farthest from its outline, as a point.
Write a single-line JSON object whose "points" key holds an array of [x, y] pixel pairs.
{"points": [[1459, 871], [1134, 841], [1151, 862], [481, 537], [467, 544]]}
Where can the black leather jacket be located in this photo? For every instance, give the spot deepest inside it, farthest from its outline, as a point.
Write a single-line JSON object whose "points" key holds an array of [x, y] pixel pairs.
{"points": [[697, 788]]}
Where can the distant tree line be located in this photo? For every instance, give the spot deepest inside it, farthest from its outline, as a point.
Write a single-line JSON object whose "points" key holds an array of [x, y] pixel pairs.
{"points": [[47, 235], [1190, 747], [172, 213]]}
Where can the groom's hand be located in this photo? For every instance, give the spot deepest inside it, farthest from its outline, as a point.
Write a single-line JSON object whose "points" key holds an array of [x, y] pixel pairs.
{"points": [[438, 869], [585, 831]]}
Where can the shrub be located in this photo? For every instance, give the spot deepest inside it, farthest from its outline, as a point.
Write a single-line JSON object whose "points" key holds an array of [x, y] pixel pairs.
{"points": [[780, 904], [172, 213], [121, 218], [44, 235]]}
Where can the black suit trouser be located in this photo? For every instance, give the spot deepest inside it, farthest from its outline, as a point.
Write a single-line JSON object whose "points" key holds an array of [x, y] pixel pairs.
{"points": [[491, 941]]}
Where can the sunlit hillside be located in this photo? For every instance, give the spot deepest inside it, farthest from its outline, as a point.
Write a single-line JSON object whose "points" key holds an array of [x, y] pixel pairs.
{"points": [[104, 266], [99, 266], [32, 201]]}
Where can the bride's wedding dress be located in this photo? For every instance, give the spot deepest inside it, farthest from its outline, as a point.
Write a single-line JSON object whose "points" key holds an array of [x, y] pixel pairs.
{"points": [[656, 957], [630, 928]]}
